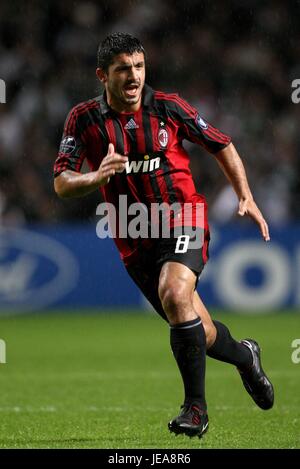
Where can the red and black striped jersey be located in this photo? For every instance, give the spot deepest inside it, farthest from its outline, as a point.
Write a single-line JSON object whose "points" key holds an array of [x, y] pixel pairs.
{"points": [[158, 169]]}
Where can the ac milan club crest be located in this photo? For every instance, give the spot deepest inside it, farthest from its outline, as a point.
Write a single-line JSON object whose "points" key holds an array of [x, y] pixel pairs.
{"points": [[163, 137]]}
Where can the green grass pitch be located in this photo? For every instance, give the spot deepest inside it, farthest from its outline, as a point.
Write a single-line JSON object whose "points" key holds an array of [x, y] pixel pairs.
{"points": [[109, 381]]}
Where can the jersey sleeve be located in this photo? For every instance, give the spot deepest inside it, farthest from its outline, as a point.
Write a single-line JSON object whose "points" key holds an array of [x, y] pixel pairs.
{"points": [[72, 150], [195, 129]]}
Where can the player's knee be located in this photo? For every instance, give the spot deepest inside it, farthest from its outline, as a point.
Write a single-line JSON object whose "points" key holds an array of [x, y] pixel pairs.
{"points": [[173, 297]]}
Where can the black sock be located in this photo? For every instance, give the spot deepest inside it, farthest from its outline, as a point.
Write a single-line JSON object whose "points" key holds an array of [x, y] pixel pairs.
{"points": [[228, 350], [188, 344]]}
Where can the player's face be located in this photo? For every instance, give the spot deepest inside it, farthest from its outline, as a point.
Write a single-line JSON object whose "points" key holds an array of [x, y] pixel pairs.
{"points": [[124, 81]]}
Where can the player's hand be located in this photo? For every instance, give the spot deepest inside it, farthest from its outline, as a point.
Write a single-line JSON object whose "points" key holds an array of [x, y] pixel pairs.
{"points": [[249, 207], [111, 164]]}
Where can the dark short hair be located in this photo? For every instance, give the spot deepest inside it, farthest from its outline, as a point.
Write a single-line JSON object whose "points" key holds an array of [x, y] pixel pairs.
{"points": [[114, 44]]}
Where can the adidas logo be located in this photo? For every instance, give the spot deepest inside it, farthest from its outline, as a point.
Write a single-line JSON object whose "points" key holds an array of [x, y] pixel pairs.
{"points": [[131, 124]]}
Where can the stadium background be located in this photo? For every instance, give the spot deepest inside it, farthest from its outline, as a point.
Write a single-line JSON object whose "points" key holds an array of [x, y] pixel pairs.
{"points": [[233, 60]]}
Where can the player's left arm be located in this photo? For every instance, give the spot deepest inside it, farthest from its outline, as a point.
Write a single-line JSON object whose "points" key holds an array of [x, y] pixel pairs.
{"points": [[233, 168], [197, 130]]}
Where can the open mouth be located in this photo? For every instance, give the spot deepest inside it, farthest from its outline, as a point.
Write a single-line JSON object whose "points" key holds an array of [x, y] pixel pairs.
{"points": [[131, 90]]}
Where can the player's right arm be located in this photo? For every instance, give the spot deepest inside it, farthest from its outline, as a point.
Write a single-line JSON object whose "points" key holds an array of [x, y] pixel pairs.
{"points": [[74, 184]]}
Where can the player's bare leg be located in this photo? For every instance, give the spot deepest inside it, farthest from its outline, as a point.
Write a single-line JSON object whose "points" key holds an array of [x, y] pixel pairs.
{"points": [[209, 327], [176, 288], [188, 342]]}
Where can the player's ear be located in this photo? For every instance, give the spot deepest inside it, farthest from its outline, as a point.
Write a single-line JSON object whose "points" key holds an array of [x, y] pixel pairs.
{"points": [[101, 74]]}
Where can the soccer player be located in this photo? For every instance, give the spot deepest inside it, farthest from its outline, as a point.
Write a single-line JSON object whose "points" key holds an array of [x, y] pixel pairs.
{"points": [[131, 137]]}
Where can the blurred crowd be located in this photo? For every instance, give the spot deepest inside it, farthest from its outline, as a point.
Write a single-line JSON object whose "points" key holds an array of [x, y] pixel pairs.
{"points": [[235, 61]]}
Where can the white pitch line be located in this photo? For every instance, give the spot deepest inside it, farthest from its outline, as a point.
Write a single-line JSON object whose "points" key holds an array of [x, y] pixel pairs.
{"points": [[132, 408], [133, 374], [19, 409]]}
